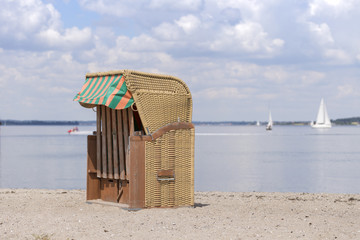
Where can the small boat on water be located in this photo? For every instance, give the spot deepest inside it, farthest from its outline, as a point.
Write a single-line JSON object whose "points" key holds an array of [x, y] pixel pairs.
{"points": [[270, 123], [76, 131], [73, 130], [322, 120], [257, 123]]}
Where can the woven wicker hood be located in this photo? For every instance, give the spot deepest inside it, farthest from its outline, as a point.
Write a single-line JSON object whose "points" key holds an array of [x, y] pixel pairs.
{"points": [[159, 99]]}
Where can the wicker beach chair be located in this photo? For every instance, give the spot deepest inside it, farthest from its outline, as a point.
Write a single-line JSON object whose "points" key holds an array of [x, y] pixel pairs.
{"points": [[143, 150]]}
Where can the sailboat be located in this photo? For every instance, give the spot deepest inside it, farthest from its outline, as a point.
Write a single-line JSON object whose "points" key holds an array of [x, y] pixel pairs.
{"points": [[270, 123], [322, 120]]}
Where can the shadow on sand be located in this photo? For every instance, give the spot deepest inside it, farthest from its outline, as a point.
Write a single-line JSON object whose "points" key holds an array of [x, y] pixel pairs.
{"points": [[196, 205]]}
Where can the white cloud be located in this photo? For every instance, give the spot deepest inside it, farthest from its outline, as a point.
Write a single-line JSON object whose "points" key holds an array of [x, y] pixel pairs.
{"points": [[321, 33], [311, 77], [33, 24], [337, 56], [224, 93], [188, 23], [127, 8], [72, 37], [124, 8], [142, 8], [249, 8], [24, 17], [203, 30], [28, 102], [335, 52], [276, 75], [135, 53], [9, 74], [46, 81], [167, 31], [144, 43], [190, 5], [346, 90], [242, 70], [60, 90], [248, 37], [267, 96], [336, 7]]}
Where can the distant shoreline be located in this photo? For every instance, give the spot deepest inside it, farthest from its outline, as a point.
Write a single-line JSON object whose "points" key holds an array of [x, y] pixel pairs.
{"points": [[44, 123], [341, 121]]}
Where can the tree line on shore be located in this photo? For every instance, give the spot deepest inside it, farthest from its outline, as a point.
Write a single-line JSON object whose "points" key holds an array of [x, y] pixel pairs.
{"points": [[340, 121], [44, 122]]}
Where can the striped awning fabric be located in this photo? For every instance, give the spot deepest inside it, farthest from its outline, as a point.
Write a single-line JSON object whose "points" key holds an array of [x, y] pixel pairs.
{"points": [[110, 91]]}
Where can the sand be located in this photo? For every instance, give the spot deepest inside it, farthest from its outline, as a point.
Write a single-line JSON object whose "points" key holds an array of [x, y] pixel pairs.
{"points": [[64, 214]]}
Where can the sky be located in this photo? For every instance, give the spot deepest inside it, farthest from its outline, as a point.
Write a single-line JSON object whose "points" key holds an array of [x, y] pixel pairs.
{"points": [[240, 58]]}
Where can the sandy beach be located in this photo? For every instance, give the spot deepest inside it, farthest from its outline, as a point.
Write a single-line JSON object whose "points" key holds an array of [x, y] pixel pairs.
{"points": [[64, 214]]}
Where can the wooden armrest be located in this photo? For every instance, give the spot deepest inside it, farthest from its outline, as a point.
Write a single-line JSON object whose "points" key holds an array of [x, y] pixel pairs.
{"points": [[161, 131]]}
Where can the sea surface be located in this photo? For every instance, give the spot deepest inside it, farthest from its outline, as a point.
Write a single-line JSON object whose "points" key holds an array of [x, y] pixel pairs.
{"points": [[227, 158]]}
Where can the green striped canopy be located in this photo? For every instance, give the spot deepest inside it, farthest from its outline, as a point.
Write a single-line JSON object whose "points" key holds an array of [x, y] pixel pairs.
{"points": [[110, 91]]}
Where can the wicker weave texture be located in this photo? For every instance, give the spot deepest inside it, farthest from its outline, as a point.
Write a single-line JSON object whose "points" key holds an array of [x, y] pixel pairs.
{"points": [[160, 99], [173, 151]]}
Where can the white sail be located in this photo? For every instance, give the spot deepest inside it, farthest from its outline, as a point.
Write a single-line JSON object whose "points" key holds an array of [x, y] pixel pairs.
{"points": [[270, 123], [322, 120]]}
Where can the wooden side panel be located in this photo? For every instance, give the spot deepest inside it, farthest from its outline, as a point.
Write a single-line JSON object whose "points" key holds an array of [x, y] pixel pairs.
{"points": [[137, 176], [98, 141], [115, 143], [92, 181], [91, 154], [121, 144], [103, 142], [109, 190], [124, 197], [109, 144]]}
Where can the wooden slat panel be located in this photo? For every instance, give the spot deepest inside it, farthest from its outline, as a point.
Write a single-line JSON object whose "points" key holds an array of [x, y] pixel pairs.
{"points": [[121, 144], [131, 133], [126, 142], [109, 144], [98, 141], [115, 143], [103, 143], [131, 121]]}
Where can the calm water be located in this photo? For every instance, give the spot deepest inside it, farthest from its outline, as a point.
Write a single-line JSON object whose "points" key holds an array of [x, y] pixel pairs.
{"points": [[227, 158]]}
